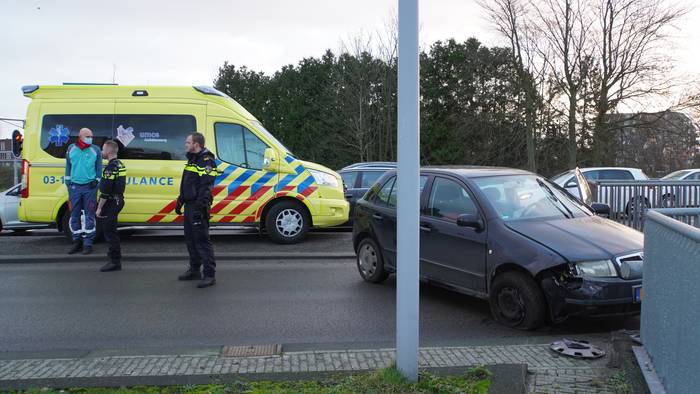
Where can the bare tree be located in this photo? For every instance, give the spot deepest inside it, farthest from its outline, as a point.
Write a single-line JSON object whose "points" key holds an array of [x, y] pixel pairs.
{"points": [[563, 31], [511, 20], [632, 48]]}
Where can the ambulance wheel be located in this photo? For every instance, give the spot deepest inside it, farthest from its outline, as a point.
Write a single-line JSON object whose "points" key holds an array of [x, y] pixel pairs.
{"points": [[287, 222], [65, 226]]}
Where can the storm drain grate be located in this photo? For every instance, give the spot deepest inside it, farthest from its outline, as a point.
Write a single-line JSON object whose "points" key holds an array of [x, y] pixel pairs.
{"points": [[252, 350]]}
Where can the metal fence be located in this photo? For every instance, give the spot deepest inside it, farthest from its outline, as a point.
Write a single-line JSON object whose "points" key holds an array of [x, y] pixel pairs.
{"points": [[630, 200], [670, 313]]}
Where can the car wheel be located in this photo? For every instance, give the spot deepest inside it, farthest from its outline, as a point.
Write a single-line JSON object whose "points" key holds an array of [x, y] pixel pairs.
{"points": [[287, 222], [516, 301], [631, 206], [65, 225], [370, 263]]}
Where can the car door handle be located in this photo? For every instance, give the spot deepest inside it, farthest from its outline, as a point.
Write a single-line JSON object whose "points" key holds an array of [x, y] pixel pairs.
{"points": [[426, 227], [349, 196], [378, 216]]}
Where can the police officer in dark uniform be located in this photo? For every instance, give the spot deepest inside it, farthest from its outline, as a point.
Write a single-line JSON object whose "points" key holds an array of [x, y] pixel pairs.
{"points": [[195, 195], [111, 202]]}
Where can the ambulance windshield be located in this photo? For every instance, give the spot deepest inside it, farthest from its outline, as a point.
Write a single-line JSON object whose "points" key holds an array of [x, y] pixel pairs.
{"points": [[271, 137]]}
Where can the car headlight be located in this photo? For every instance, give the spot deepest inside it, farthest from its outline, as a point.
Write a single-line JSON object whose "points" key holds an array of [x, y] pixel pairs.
{"points": [[325, 179], [596, 269]]}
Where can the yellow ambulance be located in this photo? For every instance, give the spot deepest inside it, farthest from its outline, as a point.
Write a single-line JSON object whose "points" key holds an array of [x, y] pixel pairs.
{"points": [[260, 182]]}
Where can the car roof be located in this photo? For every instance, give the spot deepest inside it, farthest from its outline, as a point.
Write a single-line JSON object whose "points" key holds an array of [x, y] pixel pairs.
{"points": [[371, 165], [609, 168], [474, 171]]}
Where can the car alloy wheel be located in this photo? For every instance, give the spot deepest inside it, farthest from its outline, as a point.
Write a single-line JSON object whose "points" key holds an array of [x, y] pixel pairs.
{"points": [[289, 223]]}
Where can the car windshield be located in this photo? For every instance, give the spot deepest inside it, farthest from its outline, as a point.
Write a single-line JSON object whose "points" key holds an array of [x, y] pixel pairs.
{"points": [[519, 197], [677, 175], [269, 135]]}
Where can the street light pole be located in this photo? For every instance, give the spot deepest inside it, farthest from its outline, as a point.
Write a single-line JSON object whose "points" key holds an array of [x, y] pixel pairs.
{"points": [[408, 195]]}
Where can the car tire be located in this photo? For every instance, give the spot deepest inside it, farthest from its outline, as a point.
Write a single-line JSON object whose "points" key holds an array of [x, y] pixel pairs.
{"points": [[65, 225], [287, 222], [629, 208], [516, 301], [370, 262]]}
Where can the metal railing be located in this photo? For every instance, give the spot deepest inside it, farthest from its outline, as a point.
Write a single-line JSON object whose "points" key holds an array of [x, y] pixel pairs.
{"points": [[670, 312], [630, 200]]}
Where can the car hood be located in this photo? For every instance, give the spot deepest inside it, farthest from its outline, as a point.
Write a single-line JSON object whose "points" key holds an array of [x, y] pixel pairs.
{"points": [[317, 167], [581, 239]]}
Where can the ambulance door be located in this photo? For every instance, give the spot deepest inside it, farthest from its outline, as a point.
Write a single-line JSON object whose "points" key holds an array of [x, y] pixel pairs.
{"points": [[243, 188], [151, 137]]}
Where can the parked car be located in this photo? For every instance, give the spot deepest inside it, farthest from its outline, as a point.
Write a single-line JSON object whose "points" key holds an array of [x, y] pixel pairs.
{"points": [[681, 196], [359, 177], [691, 174], [9, 205], [509, 236], [567, 180]]}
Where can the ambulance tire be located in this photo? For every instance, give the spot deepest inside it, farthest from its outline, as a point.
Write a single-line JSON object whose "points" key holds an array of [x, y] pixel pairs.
{"points": [[65, 228], [287, 222]]}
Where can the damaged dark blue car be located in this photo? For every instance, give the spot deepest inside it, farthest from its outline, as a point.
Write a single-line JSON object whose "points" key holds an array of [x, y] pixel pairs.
{"points": [[534, 251]]}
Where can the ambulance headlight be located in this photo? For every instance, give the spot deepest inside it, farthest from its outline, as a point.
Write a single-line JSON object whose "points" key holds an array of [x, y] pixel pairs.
{"points": [[324, 178]]}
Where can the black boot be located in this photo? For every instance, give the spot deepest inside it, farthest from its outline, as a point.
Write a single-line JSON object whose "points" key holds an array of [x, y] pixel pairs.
{"points": [[77, 247], [206, 282], [87, 249], [111, 266], [190, 274]]}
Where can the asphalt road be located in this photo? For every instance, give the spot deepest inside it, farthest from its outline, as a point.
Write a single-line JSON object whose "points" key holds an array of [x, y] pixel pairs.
{"points": [[49, 241], [301, 304]]}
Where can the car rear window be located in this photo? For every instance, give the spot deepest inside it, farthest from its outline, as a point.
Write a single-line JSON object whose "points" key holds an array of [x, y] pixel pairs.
{"points": [[349, 178], [369, 177]]}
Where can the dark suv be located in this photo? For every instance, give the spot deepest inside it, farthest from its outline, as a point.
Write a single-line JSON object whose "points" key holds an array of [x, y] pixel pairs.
{"points": [[359, 177], [512, 237]]}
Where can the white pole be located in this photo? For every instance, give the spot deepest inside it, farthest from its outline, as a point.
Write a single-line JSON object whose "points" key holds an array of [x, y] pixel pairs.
{"points": [[408, 195]]}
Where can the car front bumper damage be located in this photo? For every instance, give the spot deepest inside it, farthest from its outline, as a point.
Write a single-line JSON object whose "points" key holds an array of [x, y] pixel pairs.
{"points": [[569, 295]]}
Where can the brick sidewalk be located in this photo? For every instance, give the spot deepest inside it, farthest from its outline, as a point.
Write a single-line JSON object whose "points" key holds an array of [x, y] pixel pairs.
{"points": [[548, 373]]}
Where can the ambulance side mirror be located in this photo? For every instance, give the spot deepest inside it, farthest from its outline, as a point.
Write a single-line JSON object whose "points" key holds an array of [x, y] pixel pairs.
{"points": [[270, 161]]}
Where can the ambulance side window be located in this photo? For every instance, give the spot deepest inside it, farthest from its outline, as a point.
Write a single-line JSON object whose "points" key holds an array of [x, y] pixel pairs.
{"points": [[237, 145], [59, 131], [153, 137]]}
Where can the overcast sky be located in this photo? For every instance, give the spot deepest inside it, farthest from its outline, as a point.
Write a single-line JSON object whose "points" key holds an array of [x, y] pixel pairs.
{"points": [[184, 42]]}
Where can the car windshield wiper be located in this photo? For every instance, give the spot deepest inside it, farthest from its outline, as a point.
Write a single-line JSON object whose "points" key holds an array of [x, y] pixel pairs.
{"points": [[568, 214]]}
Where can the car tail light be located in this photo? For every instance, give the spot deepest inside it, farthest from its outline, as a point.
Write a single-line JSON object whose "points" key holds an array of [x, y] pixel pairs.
{"points": [[25, 179]]}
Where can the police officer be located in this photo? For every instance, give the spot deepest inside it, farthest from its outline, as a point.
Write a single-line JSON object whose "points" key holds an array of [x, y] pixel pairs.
{"points": [[111, 202], [195, 195]]}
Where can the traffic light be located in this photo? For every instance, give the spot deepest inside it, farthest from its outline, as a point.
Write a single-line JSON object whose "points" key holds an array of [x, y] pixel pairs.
{"points": [[17, 141]]}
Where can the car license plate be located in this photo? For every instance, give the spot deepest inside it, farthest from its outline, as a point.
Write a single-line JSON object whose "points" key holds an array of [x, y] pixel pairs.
{"points": [[638, 292]]}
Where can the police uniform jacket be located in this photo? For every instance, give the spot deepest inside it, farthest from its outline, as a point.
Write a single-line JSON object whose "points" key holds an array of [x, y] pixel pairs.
{"points": [[113, 180], [198, 178]]}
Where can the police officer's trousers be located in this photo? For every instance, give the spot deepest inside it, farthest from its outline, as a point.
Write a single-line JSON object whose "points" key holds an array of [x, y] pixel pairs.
{"points": [[110, 211], [198, 243]]}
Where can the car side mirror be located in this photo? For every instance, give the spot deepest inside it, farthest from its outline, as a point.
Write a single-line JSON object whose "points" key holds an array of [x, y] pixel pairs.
{"points": [[270, 160], [601, 209], [570, 184], [470, 220]]}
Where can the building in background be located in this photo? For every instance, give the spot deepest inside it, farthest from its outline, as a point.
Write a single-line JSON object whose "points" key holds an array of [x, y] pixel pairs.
{"points": [[6, 156], [658, 143]]}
